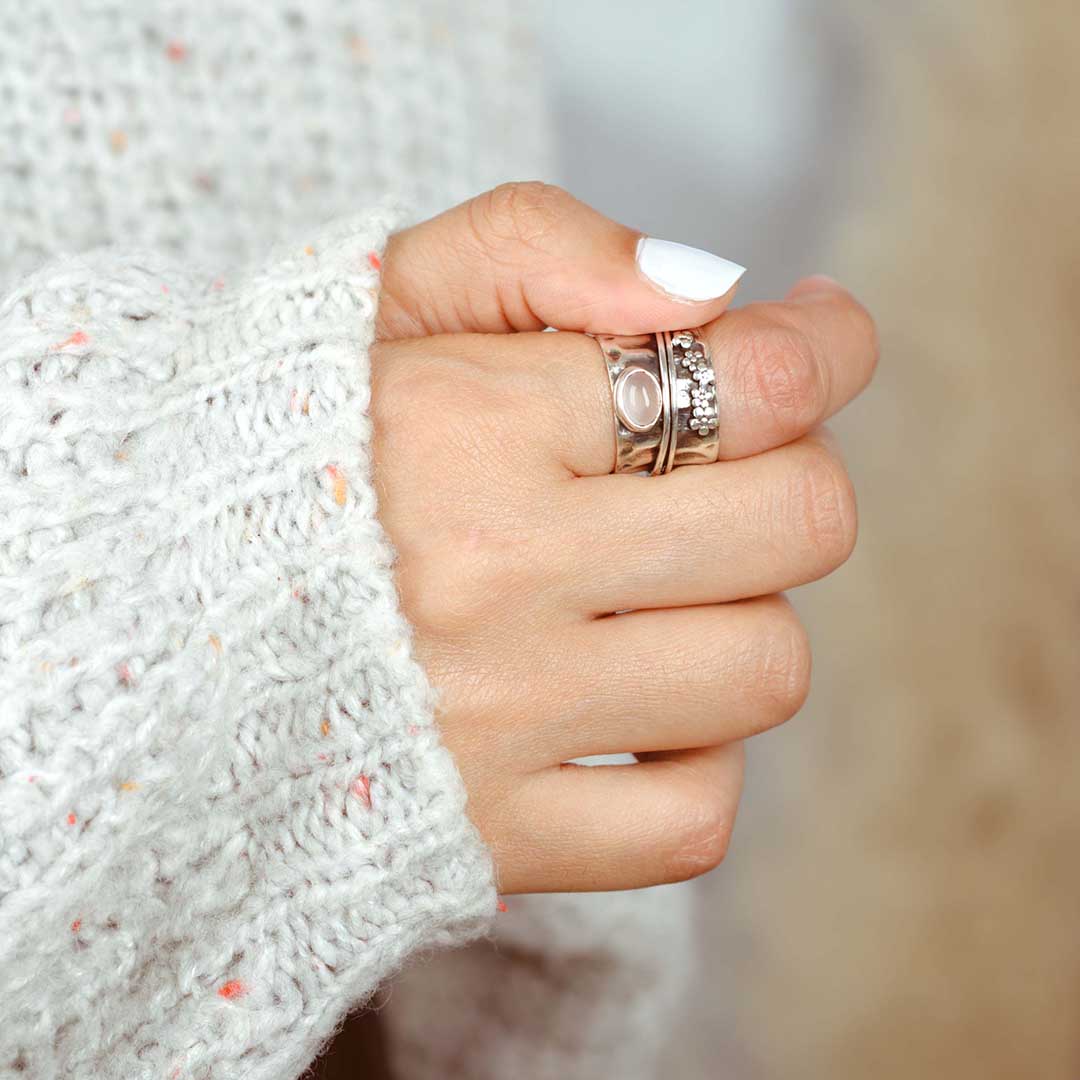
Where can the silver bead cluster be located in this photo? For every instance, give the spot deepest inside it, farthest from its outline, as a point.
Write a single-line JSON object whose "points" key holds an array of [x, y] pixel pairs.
{"points": [[702, 396]]}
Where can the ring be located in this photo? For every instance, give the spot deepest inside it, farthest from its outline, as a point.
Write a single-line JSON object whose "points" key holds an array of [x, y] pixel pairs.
{"points": [[663, 389], [639, 377]]}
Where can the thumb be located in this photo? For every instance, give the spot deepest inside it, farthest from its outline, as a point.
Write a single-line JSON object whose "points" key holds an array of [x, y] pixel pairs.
{"points": [[525, 256]]}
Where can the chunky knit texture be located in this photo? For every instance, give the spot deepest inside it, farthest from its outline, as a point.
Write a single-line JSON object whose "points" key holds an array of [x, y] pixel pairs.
{"points": [[209, 128], [225, 816]]}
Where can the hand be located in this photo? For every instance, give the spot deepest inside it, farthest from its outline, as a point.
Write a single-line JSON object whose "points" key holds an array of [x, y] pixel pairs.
{"points": [[493, 453]]}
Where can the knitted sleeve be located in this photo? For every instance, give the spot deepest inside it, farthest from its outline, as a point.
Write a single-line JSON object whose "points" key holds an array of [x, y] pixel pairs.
{"points": [[225, 814]]}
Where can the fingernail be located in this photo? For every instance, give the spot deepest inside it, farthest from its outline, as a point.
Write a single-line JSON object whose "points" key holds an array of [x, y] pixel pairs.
{"points": [[686, 272]]}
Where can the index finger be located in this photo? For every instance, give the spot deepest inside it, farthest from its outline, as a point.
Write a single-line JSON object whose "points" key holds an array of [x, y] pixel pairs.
{"points": [[783, 368]]}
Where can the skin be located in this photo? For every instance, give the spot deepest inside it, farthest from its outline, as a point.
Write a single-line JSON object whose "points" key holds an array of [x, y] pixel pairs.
{"points": [[516, 545]]}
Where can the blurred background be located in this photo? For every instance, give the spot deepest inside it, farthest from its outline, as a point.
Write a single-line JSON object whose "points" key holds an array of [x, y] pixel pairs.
{"points": [[903, 895]]}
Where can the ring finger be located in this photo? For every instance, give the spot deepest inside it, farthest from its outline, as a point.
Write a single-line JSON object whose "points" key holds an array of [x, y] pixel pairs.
{"points": [[707, 534]]}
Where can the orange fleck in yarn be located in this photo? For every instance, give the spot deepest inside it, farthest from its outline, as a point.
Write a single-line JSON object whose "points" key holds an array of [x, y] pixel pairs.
{"points": [[325, 727], [361, 788], [215, 643], [118, 140], [129, 785], [80, 337], [341, 487], [234, 988], [359, 48], [309, 250], [374, 261]]}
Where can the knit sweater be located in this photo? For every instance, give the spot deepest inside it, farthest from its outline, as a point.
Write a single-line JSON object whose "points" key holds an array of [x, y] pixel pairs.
{"points": [[225, 815]]}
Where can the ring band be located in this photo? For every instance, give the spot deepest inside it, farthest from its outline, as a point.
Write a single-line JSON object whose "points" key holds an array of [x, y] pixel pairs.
{"points": [[695, 438], [638, 379], [663, 389]]}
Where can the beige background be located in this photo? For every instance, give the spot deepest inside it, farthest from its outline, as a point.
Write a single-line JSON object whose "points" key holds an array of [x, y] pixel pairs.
{"points": [[903, 896]]}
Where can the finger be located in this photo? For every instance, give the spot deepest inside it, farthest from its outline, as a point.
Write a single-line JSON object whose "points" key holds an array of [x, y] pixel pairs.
{"points": [[781, 370], [674, 679], [708, 534], [527, 256], [625, 826]]}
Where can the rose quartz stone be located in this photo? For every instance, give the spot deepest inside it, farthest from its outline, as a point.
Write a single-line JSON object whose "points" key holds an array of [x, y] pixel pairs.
{"points": [[638, 399]]}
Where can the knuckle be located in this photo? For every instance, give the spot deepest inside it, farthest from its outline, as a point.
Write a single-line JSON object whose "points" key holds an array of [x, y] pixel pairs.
{"points": [[701, 840], [823, 507], [784, 666], [393, 377], [427, 599], [465, 579], [783, 377], [467, 399], [426, 612], [441, 598], [518, 213]]}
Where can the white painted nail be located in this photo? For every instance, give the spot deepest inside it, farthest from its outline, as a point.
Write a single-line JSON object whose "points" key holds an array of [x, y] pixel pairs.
{"points": [[686, 272]]}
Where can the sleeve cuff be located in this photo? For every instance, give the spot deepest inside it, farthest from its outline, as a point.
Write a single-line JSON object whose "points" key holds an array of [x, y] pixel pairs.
{"points": [[234, 800]]}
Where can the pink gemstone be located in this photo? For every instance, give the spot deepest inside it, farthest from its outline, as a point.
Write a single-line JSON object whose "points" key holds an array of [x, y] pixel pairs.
{"points": [[638, 399]]}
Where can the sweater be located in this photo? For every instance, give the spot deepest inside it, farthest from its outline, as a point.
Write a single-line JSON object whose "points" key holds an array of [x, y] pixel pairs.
{"points": [[225, 815]]}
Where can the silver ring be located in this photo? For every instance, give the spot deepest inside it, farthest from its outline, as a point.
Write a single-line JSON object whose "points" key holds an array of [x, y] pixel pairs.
{"points": [[642, 416], [663, 389]]}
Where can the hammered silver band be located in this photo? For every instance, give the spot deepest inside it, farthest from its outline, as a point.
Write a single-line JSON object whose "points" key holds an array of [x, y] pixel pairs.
{"points": [[695, 438], [663, 389]]}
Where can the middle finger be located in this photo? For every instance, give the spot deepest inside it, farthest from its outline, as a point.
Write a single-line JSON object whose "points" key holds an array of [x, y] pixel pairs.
{"points": [[708, 534]]}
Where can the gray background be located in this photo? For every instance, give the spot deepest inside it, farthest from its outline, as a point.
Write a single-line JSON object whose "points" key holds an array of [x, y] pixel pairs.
{"points": [[726, 126]]}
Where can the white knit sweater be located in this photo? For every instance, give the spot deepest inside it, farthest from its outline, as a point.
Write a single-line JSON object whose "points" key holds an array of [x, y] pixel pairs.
{"points": [[225, 817]]}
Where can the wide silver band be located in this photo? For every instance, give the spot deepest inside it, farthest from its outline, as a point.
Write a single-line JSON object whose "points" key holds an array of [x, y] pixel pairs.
{"points": [[663, 389], [634, 363]]}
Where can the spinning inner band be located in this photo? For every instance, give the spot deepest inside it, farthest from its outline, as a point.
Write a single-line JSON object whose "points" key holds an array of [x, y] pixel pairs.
{"points": [[663, 388]]}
